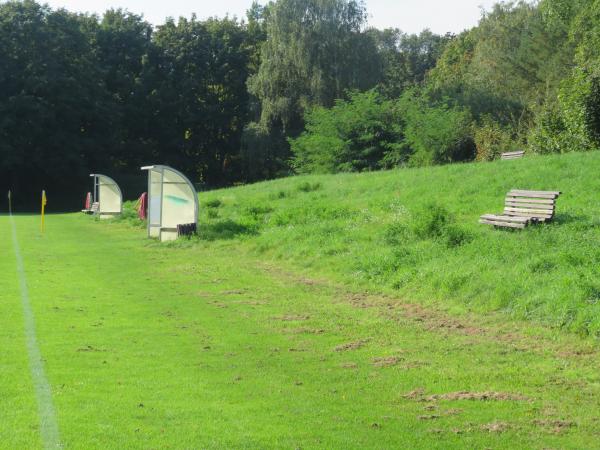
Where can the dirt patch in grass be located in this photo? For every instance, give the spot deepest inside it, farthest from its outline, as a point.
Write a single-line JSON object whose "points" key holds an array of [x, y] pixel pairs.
{"points": [[219, 304], [386, 362], [419, 395], [360, 300], [480, 396], [350, 346], [304, 330], [554, 425], [495, 427], [431, 417], [447, 413], [349, 365], [233, 292], [433, 320], [89, 348], [416, 394], [290, 318]]}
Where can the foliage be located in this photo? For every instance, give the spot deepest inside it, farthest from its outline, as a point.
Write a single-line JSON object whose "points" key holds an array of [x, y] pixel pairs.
{"points": [[80, 93], [437, 134], [406, 58], [315, 51], [492, 139], [53, 112], [362, 133]]}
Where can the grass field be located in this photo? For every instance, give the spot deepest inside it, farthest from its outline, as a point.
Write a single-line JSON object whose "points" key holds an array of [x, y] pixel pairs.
{"points": [[285, 326], [415, 234]]}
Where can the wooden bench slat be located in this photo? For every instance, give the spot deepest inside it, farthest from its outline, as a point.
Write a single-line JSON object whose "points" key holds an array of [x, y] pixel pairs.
{"points": [[503, 224], [532, 196], [539, 201], [515, 219], [529, 211], [523, 193], [535, 191], [526, 213], [548, 208]]}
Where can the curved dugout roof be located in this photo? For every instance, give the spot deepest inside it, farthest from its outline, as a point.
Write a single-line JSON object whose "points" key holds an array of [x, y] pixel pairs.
{"points": [[108, 195], [172, 201]]}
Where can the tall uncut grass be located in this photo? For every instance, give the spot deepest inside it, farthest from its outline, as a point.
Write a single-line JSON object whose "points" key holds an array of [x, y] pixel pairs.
{"points": [[416, 232]]}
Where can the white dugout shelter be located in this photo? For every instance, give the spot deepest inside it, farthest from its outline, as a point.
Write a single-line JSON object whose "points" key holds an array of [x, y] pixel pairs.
{"points": [[172, 201], [107, 197]]}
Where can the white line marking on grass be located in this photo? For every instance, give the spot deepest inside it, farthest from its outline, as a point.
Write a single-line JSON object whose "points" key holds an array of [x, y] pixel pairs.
{"points": [[48, 424]]}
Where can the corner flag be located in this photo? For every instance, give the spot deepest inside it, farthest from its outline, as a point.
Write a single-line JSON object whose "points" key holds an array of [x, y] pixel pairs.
{"points": [[9, 203], [44, 202]]}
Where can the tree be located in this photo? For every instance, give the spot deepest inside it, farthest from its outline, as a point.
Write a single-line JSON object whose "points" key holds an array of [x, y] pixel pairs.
{"points": [[200, 101], [316, 50], [406, 58], [362, 133], [53, 111], [437, 133]]}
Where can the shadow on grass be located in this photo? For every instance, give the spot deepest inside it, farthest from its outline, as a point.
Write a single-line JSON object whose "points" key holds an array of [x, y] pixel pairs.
{"points": [[563, 218], [225, 230]]}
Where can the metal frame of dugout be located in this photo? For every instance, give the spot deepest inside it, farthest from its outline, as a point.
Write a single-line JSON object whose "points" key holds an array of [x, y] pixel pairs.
{"points": [[172, 202], [107, 195]]}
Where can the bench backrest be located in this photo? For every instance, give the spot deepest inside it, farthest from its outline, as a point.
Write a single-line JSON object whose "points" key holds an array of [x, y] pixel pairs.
{"points": [[95, 207], [538, 205], [513, 155]]}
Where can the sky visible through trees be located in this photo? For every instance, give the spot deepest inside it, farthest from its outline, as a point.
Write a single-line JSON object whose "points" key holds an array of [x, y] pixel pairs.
{"points": [[411, 16]]}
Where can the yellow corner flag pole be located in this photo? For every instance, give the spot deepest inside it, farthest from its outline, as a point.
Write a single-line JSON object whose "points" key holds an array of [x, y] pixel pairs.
{"points": [[44, 201], [9, 204]]}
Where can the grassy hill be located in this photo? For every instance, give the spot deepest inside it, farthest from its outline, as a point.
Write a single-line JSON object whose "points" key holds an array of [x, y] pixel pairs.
{"points": [[415, 232]]}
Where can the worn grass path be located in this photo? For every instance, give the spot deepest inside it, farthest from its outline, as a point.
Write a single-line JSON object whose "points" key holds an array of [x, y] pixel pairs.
{"points": [[206, 346]]}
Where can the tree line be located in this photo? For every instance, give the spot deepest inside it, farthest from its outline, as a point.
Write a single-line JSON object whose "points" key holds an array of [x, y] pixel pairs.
{"points": [[297, 86]]}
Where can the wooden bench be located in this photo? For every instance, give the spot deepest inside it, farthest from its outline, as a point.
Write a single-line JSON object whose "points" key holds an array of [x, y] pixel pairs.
{"points": [[513, 155], [93, 209], [522, 208]]}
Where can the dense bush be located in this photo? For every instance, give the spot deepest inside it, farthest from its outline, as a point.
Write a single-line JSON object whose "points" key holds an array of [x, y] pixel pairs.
{"points": [[437, 134], [492, 139], [364, 132]]}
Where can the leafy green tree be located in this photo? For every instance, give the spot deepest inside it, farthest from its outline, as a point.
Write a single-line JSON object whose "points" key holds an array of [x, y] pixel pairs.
{"points": [[315, 51], [200, 100], [436, 133], [123, 43], [406, 58], [362, 133], [53, 110]]}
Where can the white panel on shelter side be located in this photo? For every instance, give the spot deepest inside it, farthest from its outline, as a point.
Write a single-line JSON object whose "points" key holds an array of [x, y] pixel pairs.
{"points": [[172, 201]]}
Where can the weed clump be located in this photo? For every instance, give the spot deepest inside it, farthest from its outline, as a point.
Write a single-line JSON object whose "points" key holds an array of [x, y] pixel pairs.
{"points": [[433, 223], [309, 187], [214, 203]]}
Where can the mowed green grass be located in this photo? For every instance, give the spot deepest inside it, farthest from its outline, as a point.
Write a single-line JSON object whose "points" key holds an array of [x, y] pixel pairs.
{"points": [[212, 345], [415, 234]]}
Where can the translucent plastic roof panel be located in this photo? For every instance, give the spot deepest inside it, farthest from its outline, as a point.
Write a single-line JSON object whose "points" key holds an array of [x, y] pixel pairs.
{"points": [[107, 194], [172, 200]]}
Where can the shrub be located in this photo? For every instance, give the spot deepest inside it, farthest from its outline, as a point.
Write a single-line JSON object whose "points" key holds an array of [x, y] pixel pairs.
{"points": [[434, 222], [437, 134], [396, 233], [362, 133], [491, 139], [431, 222], [309, 187]]}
